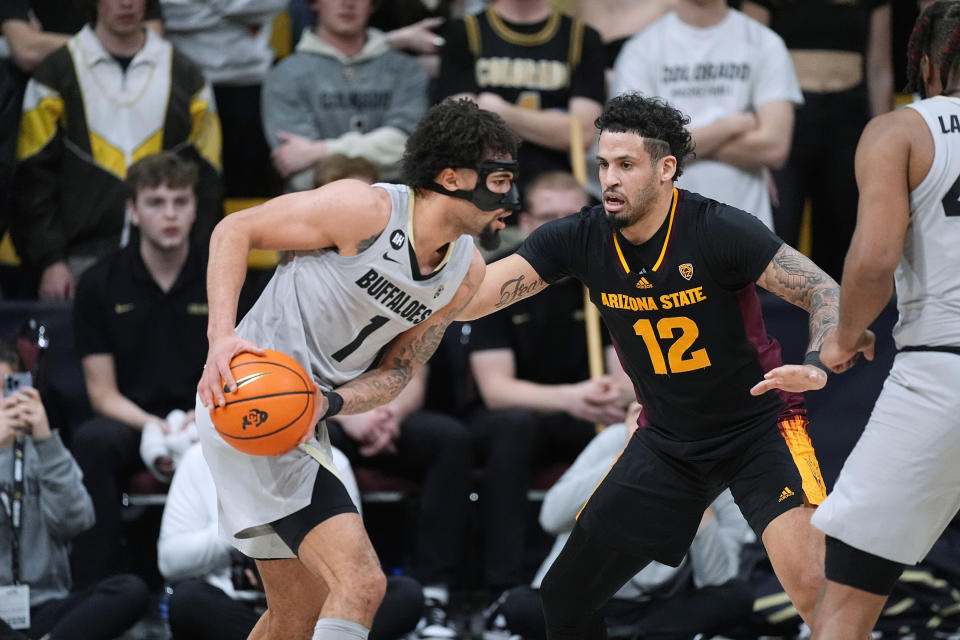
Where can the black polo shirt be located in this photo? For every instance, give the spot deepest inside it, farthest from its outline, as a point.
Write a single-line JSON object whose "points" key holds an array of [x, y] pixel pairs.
{"points": [[158, 340]]}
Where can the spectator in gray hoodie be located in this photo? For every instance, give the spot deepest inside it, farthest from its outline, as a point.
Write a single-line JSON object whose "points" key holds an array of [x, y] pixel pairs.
{"points": [[344, 90], [44, 506]]}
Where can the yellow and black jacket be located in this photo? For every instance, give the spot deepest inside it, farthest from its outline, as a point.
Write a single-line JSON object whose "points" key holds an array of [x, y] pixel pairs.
{"points": [[86, 119]]}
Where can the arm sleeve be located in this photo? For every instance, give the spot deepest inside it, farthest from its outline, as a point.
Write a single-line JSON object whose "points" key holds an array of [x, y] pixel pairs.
{"points": [[66, 505], [190, 542], [715, 551], [737, 245], [586, 82], [551, 247], [91, 333], [775, 78], [457, 74], [36, 227], [566, 497]]}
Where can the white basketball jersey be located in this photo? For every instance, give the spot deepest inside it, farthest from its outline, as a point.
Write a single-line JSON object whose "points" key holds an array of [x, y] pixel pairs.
{"points": [[334, 313], [928, 276]]}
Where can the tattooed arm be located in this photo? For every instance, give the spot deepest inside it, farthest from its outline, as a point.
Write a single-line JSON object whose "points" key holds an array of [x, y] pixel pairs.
{"points": [[409, 351], [506, 281], [341, 216], [795, 278]]}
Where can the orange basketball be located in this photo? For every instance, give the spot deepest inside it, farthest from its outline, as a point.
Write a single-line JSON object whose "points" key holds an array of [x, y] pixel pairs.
{"points": [[272, 407]]}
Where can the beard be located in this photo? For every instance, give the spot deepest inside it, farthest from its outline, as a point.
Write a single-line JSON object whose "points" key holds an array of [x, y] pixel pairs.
{"points": [[633, 211], [489, 238]]}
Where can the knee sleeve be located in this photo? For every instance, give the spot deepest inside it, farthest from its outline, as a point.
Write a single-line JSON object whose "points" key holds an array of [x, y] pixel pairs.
{"points": [[855, 568]]}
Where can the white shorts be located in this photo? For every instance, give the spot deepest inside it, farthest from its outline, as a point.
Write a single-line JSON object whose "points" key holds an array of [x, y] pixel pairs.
{"points": [[900, 486], [253, 491]]}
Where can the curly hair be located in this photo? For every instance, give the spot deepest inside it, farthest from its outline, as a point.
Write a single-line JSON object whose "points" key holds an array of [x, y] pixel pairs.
{"points": [[659, 124], [936, 34], [454, 134]]}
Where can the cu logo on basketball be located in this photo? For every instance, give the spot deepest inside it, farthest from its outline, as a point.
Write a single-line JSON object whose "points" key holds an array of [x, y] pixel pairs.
{"points": [[397, 239], [254, 418]]}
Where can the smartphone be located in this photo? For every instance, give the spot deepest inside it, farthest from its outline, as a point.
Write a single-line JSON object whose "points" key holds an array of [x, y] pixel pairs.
{"points": [[13, 381]]}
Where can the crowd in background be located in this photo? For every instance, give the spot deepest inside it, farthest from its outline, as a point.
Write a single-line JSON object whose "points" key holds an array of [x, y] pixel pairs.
{"points": [[128, 128]]}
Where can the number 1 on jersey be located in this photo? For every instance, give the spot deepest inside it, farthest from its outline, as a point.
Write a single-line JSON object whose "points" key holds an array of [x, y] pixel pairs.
{"points": [[375, 323]]}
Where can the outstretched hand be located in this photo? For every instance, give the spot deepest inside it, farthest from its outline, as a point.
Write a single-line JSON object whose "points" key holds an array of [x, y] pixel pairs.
{"points": [[791, 377], [222, 351]]}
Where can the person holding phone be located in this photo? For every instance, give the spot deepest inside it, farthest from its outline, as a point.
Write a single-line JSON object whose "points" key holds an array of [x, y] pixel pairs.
{"points": [[44, 505]]}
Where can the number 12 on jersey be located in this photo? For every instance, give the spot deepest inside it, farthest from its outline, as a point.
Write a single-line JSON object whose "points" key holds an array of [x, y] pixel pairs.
{"points": [[679, 357]]}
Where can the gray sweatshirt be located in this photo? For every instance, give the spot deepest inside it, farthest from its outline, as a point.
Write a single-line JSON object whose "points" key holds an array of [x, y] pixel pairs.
{"points": [[56, 507], [364, 105], [714, 555]]}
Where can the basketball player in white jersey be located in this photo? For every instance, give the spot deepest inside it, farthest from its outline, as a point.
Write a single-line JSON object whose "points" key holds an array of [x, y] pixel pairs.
{"points": [[900, 486], [376, 269]]}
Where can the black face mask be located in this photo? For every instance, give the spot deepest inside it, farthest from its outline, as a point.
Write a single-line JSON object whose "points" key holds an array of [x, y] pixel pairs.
{"points": [[481, 196]]}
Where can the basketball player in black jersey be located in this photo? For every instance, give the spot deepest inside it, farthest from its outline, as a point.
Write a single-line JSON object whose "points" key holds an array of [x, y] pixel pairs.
{"points": [[674, 274]]}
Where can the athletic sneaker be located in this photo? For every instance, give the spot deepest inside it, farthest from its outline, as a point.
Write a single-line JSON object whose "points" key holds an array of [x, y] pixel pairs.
{"points": [[435, 622]]}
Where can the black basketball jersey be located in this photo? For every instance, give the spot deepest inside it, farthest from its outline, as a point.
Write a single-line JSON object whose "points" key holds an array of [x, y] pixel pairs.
{"points": [[538, 66], [682, 309]]}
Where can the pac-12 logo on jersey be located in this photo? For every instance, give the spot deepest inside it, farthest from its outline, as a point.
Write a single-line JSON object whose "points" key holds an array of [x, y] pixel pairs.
{"points": [[686, 270], [397, 239]]}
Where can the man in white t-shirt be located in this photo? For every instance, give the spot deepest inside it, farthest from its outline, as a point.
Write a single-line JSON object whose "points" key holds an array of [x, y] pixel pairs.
{"points": [[734, 78]]}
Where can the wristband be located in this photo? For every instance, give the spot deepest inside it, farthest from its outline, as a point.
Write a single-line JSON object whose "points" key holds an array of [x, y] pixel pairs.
{"points": [[334, 404], [813, 359]]}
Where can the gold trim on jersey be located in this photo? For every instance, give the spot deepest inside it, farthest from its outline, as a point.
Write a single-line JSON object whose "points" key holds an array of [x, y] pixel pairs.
{"points": [[576, 44], [524, 39], [666, 241], [449, 252], [473, 34]]}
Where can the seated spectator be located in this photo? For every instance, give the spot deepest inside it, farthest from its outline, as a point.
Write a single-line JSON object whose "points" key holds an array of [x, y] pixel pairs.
{"points": [[531, 368], [114, 93], [700, 596], [35, 531], [344, 90], [213, 583], [535, 67], [140, 330], [734, 78]]}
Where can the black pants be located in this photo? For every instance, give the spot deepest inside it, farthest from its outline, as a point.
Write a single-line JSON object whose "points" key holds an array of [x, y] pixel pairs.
{"points": [[434, 450], [200, 611], [820, 168], [100, 612], [108, 452], [684, 614], [512, 442]]}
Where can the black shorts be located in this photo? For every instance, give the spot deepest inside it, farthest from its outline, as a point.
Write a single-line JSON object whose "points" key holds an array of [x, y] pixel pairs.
{"points": [[653, 498], [329, 498]]}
